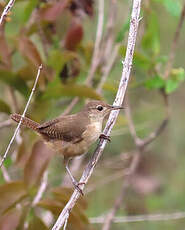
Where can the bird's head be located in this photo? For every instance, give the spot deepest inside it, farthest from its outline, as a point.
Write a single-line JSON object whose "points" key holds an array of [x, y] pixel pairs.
{"points": [[98, 110]]}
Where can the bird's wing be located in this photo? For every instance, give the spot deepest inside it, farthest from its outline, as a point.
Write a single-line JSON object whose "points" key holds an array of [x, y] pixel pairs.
{"points": [[64, 128]]}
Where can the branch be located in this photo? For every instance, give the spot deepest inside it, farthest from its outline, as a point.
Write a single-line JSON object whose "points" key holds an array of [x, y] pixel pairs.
{"points": [[95, 60], [127, 64], [19, 124], [139, 218], [107, 68], [174, 44], [41, 189], [99, 33], [110, 33], [6, 10], [130, 171], [140, 145]]}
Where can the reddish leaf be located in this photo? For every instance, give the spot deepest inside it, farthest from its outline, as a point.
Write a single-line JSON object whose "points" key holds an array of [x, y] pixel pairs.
{"points": [[74, 36], [11, 193], [10, 220], [37, 163], [52, 11], [29, 50], [5, 55], [62, 194], [77, 218]]}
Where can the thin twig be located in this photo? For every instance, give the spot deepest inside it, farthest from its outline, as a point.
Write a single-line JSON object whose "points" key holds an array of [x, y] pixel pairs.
{"points": [[110, 33], [107, 68], [170, 62], [139, 218], [112, 118], [140, 145], [19, 124], [94, 64], [71, 106], [99, 33], [118, 202], [41, 189], [6, 10]]}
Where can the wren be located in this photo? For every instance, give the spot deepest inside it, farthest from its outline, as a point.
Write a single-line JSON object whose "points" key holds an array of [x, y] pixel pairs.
{"points": [[72, 135]]}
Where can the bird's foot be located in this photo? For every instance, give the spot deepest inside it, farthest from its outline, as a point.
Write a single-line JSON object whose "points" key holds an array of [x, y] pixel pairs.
{"points": [[76, 185], [103, 136]]}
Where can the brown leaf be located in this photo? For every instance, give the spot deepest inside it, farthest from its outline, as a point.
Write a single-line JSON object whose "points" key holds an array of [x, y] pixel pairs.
{"points": [[74, 36], [11, 193], [29, 50], [52, 11], [5, 55], [22, 154], [77, 218], [63, 194], [10, 220], [37, 163]]}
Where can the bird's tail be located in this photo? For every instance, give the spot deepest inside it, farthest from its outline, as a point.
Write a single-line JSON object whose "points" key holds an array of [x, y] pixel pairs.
{"points": [[25, 121]]}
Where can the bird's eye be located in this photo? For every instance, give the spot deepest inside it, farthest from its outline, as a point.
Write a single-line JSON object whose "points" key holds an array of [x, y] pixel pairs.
{"points": [[99, 107]]}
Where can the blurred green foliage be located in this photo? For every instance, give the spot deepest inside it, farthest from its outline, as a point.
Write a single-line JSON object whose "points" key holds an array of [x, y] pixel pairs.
{"points": [[60, 35]]}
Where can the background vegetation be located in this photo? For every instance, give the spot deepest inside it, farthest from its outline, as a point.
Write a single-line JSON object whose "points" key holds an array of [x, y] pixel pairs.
{"points": [[61, 34]]}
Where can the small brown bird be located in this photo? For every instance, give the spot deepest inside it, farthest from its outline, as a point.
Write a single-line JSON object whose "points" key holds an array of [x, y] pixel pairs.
{"points": [[72, 135]]}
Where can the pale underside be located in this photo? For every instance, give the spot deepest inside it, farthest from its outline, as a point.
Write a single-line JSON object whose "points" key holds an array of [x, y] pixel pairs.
{"points": [[81, 146]]}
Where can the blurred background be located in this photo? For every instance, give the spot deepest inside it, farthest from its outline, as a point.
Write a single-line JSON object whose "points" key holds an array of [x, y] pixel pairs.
{"points": [[81, 44]]}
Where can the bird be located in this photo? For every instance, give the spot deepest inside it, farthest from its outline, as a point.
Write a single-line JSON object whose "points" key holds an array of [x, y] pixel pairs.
{"points": [[72, 135]]}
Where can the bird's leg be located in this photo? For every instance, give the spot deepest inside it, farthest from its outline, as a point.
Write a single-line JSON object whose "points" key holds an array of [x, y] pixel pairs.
{"points": [[75, 183], [103, 136]]}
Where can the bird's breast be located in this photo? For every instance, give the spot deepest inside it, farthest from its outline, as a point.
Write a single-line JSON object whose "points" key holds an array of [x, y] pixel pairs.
{"points": [[92, 132]]}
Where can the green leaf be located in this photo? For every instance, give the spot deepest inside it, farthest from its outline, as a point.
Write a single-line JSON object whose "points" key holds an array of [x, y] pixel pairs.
{"points": [[56, 90], [155, 83], [171, 85], [176, 77], [10, 194], [15, 81], [172, 6], [4, 107], [121, 33], [151, 39], [142, 61], [28, 9], [178, 74]]}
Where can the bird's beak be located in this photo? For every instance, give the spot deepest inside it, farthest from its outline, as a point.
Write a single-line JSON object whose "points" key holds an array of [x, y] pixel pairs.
{"points": [[114, 107]]}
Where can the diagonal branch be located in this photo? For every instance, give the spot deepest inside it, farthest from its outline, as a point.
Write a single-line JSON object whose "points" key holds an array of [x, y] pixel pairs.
{"points": [[19, 124], [99, 33], [127, 64], [6, 10]]}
